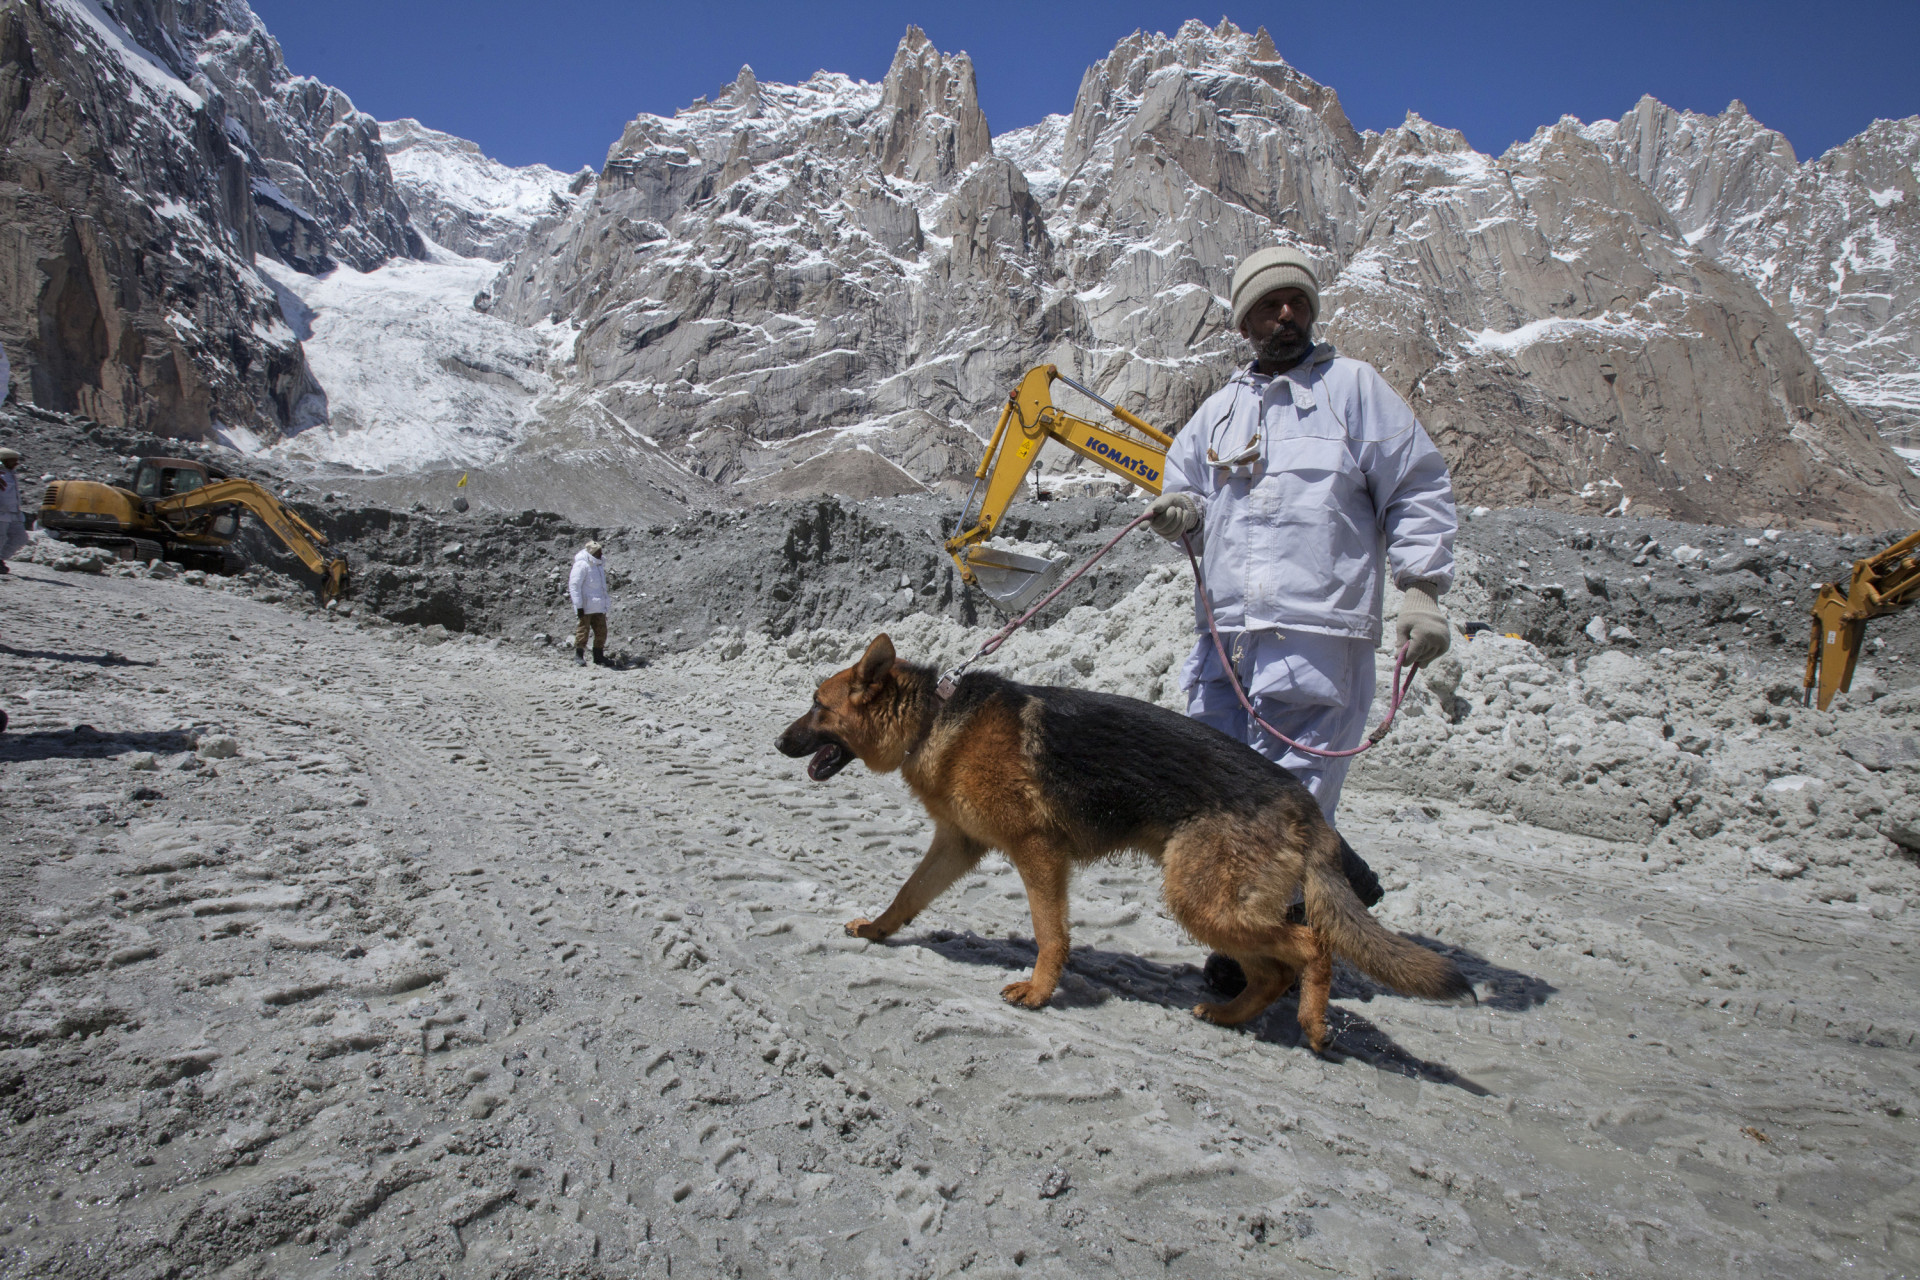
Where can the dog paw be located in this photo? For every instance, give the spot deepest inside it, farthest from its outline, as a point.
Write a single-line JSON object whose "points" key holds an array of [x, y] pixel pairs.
{"points": [[1217, 1014], [1026, 994], [865, 929]]}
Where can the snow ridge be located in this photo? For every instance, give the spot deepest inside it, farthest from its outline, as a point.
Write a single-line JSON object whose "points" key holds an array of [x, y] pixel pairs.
{"points": [[467, 202]]}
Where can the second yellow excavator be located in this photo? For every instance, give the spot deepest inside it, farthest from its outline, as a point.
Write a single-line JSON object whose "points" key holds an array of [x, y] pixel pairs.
{"points": [[182, 510], [1880, 584], [1029, 419]]}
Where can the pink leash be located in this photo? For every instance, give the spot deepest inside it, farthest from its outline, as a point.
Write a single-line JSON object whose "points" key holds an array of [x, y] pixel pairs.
{"points": [[952, 677], [1233, 678]]}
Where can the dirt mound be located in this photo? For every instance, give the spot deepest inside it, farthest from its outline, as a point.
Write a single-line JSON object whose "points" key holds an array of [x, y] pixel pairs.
{"points": [[856, 474]]}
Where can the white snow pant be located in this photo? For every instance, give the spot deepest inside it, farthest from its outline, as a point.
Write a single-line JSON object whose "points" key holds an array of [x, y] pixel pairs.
{"points": [[13, 536], [1297, 684]]}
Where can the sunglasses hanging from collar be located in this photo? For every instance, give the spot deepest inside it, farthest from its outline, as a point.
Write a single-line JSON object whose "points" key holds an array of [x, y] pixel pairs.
{"points": [[1246, 458]]}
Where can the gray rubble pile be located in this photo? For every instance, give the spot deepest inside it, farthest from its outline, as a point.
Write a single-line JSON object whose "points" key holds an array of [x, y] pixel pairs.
{"points": [[1570, 585], [1676, 751]]}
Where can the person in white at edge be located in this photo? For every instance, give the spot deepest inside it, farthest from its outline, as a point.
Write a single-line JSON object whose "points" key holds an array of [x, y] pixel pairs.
{"points": [[1297, 479], [13, 525], [587, 584]]}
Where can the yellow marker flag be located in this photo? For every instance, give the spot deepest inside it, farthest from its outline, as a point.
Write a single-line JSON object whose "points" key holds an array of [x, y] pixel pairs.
{"points": [[463, 481]]}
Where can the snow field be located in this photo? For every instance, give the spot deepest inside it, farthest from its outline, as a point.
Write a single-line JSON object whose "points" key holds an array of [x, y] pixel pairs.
{"points": [[384, 950]]}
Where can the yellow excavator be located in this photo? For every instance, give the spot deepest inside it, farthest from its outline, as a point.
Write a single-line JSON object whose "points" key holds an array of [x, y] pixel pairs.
{"points": [[1013, 579], [181, 510], [1881, 584]]}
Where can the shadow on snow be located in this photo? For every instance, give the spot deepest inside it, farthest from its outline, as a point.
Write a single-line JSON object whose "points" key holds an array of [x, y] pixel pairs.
{"points": [[1105, 975]]}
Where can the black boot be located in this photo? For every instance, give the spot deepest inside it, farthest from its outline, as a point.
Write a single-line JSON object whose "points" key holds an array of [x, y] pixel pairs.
{"points": [[1366, 885], [1223, 973]]}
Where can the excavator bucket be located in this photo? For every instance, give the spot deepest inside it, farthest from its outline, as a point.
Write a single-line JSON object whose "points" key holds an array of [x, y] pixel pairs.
{"points": [[1012, 579], [333, 582], [1834, 649]]}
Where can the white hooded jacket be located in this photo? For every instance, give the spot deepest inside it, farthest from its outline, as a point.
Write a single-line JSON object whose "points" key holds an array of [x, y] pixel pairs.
{"points": [[588, 584], [1334, 476]]}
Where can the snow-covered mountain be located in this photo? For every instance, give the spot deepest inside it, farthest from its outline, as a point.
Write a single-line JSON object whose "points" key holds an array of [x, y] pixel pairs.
{"points": [[759, 274], [792, 269], [152, 152], [1568, 348], [1833, 244], [466, 202], [833, 284]]}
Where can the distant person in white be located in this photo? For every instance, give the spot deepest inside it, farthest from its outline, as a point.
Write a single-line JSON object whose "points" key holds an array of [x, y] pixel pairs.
{"points": [[588, 586], [13, 525], [1299, 478], [6, 376]]}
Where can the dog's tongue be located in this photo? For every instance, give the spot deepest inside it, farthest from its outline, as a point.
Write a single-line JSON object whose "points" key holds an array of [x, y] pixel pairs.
{"points": [[826, 762]]}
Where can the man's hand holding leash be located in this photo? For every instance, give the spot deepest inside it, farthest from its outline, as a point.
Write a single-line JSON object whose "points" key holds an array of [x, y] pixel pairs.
{"points": [[1173, 514], [1422, 627]]}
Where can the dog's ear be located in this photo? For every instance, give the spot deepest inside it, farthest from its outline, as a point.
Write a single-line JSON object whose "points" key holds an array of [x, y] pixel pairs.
{"points": [[874, 664]]}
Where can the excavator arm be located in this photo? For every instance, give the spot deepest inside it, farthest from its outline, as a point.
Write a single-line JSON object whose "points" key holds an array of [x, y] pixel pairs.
{"points": [[1881, 584], [1027, 421], [299, 537]]}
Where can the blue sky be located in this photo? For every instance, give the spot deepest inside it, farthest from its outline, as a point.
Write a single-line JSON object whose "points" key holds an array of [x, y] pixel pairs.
{"points": [[555, 82]]}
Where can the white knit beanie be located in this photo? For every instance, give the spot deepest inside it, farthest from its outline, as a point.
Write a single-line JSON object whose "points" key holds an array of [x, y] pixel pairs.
{"points": [[1264, 270]]}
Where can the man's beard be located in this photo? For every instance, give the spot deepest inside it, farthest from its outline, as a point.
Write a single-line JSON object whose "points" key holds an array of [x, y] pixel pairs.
{"points": [[1285, 347]]}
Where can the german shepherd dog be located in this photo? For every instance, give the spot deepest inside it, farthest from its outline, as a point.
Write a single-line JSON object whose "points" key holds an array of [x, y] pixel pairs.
{"points": [[1053, 777]]}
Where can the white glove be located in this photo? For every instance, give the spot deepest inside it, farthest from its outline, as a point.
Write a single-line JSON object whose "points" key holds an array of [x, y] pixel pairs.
{"points": [[1174, 514], [1423, 624]]}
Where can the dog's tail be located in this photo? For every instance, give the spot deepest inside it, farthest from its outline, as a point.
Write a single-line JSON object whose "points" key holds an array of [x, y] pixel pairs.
{"points": [[1382, 955]]}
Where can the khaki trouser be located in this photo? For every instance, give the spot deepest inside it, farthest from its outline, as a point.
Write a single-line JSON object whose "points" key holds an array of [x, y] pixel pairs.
{"points": [[597, 622]]}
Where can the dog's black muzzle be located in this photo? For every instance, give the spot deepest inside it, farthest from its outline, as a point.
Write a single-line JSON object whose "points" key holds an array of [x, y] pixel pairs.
{"points": [[830, 755]]}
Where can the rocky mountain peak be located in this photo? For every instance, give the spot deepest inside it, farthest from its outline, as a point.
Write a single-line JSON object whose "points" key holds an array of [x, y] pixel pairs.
{"points": [[1225, 64], [1833, 244], [1701, 167], [742, 281], [1417, 154], [321, 188], [932, 128], [744, 93]]}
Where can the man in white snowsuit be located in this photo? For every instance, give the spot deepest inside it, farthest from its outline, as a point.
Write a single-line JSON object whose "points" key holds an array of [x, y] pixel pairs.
{"points": [[13, 525], [587, 584], [1305, 479]]}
